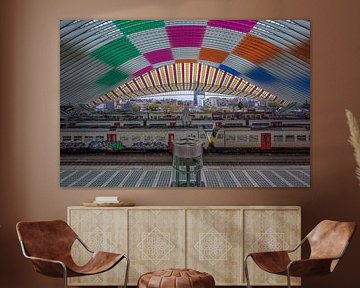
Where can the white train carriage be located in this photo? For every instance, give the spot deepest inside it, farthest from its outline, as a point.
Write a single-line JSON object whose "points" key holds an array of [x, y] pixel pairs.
{"points": [[94, 124], [129, 123], [130, 137], [163, 135], [234, 123], [86, 135], [205, 124], [247, 139], [164, 123], [265, 123], [294, 139], [305, 123], [106, 124]]}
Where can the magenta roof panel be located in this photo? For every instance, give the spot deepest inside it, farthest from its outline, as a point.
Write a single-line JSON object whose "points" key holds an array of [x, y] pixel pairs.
{"points": [[244, 26], [186, 36], [158, 56], [143, 71]]}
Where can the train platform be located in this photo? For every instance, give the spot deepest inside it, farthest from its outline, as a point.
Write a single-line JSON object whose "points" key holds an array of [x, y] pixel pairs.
{"points": [[165, 159], [160, 176]]}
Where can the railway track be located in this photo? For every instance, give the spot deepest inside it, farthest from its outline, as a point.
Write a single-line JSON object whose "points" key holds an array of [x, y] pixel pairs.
{"points": [[209, 160]]}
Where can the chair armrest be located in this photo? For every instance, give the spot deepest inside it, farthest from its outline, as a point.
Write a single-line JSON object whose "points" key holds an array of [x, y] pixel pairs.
{"points": [[45, 260], [271, 261], [309, 267], [298, 246], [268, 252], [49, 267], [281, 251], [83, 244]]}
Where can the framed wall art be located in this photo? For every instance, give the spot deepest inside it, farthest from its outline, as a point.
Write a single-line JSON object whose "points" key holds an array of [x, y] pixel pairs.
{"points": [[185, 103]]}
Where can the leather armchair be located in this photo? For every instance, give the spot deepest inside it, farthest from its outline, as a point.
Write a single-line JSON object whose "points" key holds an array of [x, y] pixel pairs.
{"points": [[328, 242], [48, 246]]}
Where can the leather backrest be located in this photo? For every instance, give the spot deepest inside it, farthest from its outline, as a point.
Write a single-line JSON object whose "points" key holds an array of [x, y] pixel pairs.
{"points": [[46, 239], [329, 239]]}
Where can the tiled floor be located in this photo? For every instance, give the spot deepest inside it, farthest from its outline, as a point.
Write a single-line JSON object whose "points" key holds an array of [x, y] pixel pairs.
{"points": [[160, 176]]}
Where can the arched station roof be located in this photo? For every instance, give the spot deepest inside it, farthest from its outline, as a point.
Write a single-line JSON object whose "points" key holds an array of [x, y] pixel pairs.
{"points": [[186, 76], [103, 60]]}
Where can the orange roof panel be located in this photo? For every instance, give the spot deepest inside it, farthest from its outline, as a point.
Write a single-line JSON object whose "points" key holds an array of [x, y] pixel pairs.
{"points": [[185, 61], [255, 49], [302, 51], [213, 55]]}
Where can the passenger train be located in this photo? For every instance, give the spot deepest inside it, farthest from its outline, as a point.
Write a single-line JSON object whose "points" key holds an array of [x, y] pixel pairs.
{"points": [[136, 139], [247, 139], [219, 139], [207, 124]]}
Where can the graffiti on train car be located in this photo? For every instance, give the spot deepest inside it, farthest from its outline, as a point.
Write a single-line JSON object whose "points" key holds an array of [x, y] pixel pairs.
{"points": [[108, 146]]}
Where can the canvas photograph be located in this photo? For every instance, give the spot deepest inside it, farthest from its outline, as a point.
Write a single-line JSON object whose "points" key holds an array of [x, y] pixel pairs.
{"points": [[185, 103]]}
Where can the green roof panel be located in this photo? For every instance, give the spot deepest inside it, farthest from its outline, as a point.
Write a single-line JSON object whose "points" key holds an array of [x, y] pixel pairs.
{"points": [[133, 26], [116, 52], [112, 78]]}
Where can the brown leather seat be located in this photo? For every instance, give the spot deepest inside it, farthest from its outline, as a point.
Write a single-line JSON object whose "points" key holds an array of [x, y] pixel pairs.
{"points": [[176, 278], [48, 245], [328, 242]]}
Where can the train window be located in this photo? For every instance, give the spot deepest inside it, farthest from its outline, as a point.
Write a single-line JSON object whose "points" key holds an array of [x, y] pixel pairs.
{"points": [[278, 138], [78, 138], [253, 138], [301, 138], [124, 138], [88, 138], [261, 124], [242, 138], [289, 138], [66, 138], [99, 138]]}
